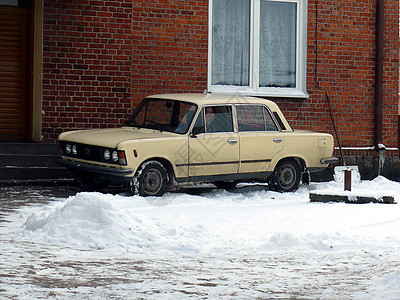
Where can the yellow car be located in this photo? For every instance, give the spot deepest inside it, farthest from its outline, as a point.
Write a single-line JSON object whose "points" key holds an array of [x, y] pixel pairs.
{"points": [[178, 138]]}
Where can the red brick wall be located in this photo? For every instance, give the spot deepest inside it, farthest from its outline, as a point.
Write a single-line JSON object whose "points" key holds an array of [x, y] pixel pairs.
{"points": [[391, 66], [169, 47], [87, 70], [95, 50], [341, 60]]}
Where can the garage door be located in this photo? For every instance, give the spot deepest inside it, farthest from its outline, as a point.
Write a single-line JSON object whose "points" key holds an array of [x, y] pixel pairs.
{"points": [[14, 73]]}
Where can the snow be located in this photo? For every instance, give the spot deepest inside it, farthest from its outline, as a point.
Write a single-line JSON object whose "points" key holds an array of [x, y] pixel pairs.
{"points": [[377, 189], [246, 244]]}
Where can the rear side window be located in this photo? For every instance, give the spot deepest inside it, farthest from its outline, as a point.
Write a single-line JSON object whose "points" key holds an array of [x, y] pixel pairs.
{"points": [[254, 118], [250, 117]]}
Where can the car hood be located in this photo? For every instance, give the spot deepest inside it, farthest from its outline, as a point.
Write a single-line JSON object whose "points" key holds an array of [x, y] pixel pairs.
{"points": [[112, 137]]}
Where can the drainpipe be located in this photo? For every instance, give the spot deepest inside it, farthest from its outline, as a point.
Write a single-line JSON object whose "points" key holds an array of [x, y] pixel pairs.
{"points": [[380, 25], [398, 123]]}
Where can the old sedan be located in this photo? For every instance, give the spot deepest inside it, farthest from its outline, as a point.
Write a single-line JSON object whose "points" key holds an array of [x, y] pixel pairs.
{"points": [[178, 138]]}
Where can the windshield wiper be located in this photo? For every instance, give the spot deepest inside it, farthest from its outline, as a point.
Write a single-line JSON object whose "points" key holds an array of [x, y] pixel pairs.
{"points": [[156, 125], [128, 124]]}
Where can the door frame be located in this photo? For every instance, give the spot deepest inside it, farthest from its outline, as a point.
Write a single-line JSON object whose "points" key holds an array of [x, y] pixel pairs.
{"points": [[34, 63], [37, 73]]}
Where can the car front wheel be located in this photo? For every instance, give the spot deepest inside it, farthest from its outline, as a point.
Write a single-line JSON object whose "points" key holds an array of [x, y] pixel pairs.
{"points": [[286, 176], [150, 180]]}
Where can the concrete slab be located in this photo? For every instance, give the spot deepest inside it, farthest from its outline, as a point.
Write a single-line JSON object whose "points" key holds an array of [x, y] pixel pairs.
{"points": [[350, 197]]}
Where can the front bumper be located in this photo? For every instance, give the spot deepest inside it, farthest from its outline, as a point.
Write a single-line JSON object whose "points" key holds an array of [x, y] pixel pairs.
{"points": [[97, 172]]}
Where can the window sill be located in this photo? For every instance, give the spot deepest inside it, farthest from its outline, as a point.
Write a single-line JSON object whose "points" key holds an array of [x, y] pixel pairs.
{"points": [[263, 92]]}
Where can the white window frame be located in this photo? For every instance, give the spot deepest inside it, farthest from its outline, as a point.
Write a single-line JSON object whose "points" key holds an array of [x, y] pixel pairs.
{"points": [[253, 89]]}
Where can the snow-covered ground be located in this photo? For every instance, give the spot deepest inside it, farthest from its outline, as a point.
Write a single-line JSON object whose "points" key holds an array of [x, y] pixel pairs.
{"points": [[247, 244]]}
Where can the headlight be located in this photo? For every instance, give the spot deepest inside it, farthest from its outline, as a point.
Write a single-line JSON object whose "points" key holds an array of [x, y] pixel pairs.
{"points": [[74, 151], [107, 154], [68, 149], [115, 156]]}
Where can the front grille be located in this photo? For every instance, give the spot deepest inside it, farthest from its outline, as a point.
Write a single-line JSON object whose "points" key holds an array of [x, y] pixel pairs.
{"points": [[87, 152]]}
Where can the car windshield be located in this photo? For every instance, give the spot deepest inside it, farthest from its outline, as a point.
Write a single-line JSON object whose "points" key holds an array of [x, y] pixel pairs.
{"points": [[164, 115]]}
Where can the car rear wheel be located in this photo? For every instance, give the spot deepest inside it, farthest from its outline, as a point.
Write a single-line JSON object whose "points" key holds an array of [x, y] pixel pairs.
{"points": [[150, 180], [286, 176]]}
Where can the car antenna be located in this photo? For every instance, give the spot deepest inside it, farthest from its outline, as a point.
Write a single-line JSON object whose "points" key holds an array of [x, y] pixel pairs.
{"points": [[334, 128]]}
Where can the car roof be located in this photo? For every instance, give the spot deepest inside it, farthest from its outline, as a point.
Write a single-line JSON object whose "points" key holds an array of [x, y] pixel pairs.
{"points": [[206, 98], [209, 99]]}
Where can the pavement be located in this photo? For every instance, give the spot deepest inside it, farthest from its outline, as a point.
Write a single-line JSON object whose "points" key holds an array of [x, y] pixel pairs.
{"points": [[13, 197]]}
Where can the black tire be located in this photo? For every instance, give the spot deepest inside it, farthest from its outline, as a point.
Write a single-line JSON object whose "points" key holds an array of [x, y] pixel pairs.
{"points": [[225, 185], [87, 184], [286, 176], [150, 180]]}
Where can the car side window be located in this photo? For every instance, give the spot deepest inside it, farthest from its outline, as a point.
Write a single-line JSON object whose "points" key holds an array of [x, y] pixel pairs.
{"points": [[213, 119], [278, 119], [254, 118], [218, 119], [250, 118], [269, 122]]}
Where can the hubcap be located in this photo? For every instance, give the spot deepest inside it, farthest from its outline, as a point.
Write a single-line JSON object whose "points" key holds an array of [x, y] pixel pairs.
{"points": [[287, 176], [152, 181]]}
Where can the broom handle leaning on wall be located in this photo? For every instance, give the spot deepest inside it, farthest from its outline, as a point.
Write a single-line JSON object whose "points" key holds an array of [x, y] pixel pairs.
{"points": [[334, 128]]}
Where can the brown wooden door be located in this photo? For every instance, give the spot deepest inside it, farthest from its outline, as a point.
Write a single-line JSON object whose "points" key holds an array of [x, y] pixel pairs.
{"points": [[14, 73]]}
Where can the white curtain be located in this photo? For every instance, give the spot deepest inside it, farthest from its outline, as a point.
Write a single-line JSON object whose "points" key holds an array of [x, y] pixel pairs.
{"points": [[231, 42], [277, 44]]}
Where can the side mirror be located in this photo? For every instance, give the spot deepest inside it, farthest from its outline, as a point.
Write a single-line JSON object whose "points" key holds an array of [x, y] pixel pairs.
{"points": [[196, 131]]}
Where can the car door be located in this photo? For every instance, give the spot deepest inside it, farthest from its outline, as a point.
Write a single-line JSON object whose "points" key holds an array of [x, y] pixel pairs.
{"points": [[213, 144], [259, 136]]}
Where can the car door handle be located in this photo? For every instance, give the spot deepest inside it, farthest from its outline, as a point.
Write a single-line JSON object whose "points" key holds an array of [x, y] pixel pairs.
{"points": [[232, 141], [278, 140]]}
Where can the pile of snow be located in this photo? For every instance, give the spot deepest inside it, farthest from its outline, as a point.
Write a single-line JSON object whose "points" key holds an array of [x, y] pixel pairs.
{"points": [[99, 221], [260, 220]]}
